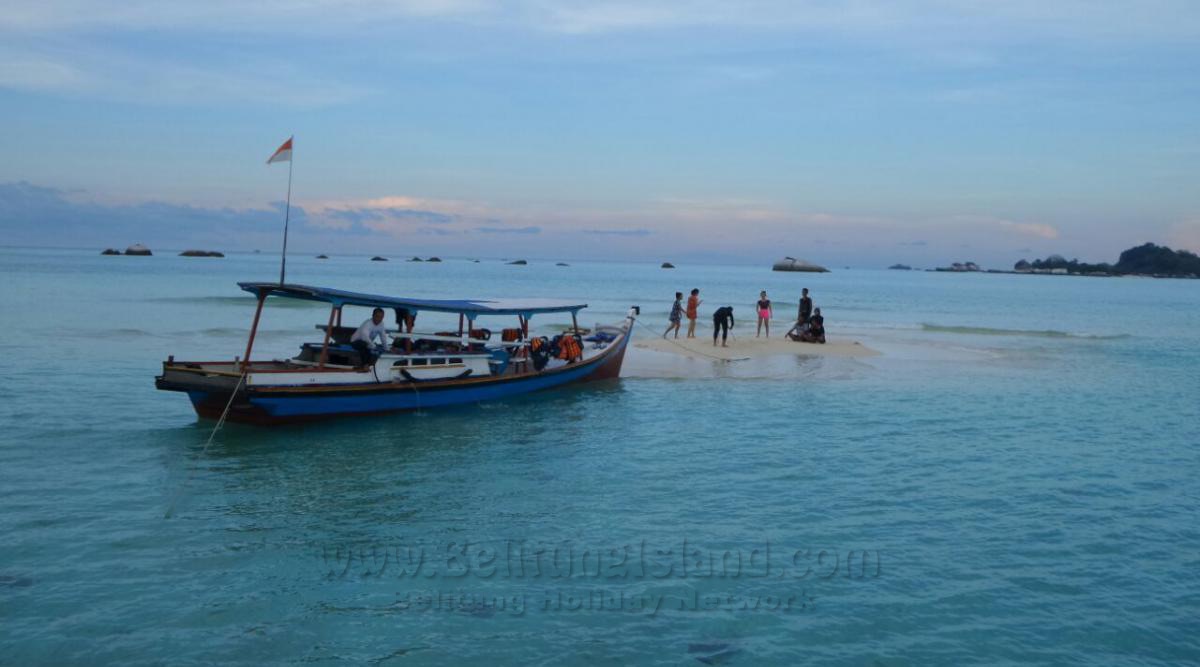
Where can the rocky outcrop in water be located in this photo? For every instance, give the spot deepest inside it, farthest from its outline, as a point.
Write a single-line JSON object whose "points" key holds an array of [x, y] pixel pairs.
{"points": [[201, 253], [138, 250], [667, 265], [377, 258], [960, 267], [519, 262], [1145, 260], [793, 264], [111, 251]]}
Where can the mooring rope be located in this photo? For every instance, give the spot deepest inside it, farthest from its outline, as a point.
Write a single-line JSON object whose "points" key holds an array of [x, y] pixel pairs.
{"points": [[220, 422], [688, 349]]}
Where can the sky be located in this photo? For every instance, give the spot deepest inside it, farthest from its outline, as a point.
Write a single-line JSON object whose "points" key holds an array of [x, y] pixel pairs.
{"points": [[861, 132]]}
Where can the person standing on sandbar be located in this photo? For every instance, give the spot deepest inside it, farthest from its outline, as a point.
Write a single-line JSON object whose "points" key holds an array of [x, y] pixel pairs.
{"points": [[764, 313], [806, 306], [692, 305], [676, 316], [722, 322]]}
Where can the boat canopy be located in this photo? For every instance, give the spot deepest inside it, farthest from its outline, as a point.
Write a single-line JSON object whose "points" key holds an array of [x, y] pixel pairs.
{"points": [[468, 307]]}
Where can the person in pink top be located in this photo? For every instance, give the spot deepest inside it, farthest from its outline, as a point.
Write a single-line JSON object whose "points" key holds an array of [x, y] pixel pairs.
{"points": [[764, 314]]}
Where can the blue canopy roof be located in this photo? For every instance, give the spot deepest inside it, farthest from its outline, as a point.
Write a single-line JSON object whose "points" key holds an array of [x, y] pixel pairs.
{"points": [[469, 307]]}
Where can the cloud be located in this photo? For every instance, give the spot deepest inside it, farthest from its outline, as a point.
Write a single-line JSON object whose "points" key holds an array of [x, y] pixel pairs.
{"points": [[106, 73], [37, 215], [985, 222], [365, 215], [225, 15], [618, 232], [926, 18], [1031, 229], [509, 230]]}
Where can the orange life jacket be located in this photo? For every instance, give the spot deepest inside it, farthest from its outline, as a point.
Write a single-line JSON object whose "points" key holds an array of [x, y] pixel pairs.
{"points": [[569, 349]]}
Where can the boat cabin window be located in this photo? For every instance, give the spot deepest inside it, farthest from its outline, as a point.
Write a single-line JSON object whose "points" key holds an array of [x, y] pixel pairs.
{"points": [[427, 361]]}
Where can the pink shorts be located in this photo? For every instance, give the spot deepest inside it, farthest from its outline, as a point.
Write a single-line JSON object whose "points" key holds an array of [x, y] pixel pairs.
{"points": [[765, 314]]}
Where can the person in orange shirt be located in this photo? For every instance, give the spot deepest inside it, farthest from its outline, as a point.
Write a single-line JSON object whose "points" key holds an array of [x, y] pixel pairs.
{"points": [[693, 303]]}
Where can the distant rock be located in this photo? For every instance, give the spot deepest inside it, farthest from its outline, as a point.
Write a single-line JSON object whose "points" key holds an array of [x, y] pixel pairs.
{"points": [[667, 265], [1150, 259], [416, 259], [793, 264], [138, 250], [1145, 260], [434, 259], [900, 267], [201, 253], [322, 256], [519, 262], [562, 264], [377, 258], [111, 251], [961, 267]]}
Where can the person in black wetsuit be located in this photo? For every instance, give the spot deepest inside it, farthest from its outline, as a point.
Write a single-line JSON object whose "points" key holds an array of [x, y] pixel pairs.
{"points": [[816, 329], [722, 322], [806, 306]]}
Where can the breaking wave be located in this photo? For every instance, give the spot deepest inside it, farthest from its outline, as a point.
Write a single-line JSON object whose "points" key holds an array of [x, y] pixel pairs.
{"points": [[1044, 333]]}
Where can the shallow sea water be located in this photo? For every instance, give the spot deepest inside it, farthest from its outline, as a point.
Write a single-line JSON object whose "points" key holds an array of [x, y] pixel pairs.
{"points": [[1013, 480]]}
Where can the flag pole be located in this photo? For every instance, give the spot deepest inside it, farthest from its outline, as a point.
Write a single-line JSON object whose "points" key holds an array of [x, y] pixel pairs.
{"points": [[287, 214]]}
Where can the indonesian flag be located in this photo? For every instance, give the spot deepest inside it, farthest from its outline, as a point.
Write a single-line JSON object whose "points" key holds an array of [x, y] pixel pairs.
{"points": [[284, 154]]}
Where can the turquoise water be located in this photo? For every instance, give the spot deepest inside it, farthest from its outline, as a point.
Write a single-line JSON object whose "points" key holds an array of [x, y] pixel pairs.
{"points": [[1013, 480]]}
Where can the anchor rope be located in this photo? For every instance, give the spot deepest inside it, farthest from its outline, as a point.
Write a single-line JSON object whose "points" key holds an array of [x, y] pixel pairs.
{"points": [[220, 422], [688, 349]]}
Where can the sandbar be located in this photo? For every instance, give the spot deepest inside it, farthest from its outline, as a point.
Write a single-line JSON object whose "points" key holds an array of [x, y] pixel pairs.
{"points": [[753, 348]]}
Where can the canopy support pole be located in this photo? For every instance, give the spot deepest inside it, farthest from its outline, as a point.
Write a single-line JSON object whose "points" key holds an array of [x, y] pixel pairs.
{"points": [[328, 333], [262, 298]]}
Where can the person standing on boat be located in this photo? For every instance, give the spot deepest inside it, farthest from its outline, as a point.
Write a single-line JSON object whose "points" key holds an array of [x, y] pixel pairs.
{"points": [[366, 332], [692, 306], [722, 322], [764, 313], [676, 315]]}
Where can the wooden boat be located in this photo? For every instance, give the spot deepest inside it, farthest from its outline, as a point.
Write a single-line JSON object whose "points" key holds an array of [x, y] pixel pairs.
{"points": [[326, 379]]}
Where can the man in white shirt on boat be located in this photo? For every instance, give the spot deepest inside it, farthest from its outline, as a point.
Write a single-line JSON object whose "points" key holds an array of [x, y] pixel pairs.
{"points": [[367, 331]]}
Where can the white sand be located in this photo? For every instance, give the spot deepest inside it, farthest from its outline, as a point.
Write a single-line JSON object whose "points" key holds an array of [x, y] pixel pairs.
{"points": [[753, 348]]}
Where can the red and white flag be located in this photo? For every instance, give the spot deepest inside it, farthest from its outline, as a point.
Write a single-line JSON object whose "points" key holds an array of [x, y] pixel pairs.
{"points": [[284, 154]]}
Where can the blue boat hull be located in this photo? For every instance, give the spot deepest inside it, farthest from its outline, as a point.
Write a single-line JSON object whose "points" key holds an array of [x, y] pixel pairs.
{"points": [[275, 405]]}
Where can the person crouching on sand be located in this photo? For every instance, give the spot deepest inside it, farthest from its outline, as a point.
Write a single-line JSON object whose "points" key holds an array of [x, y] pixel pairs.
{"points": [[722, 322], [692, 305], [676, 315], [764, 314], [815, 332]]}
